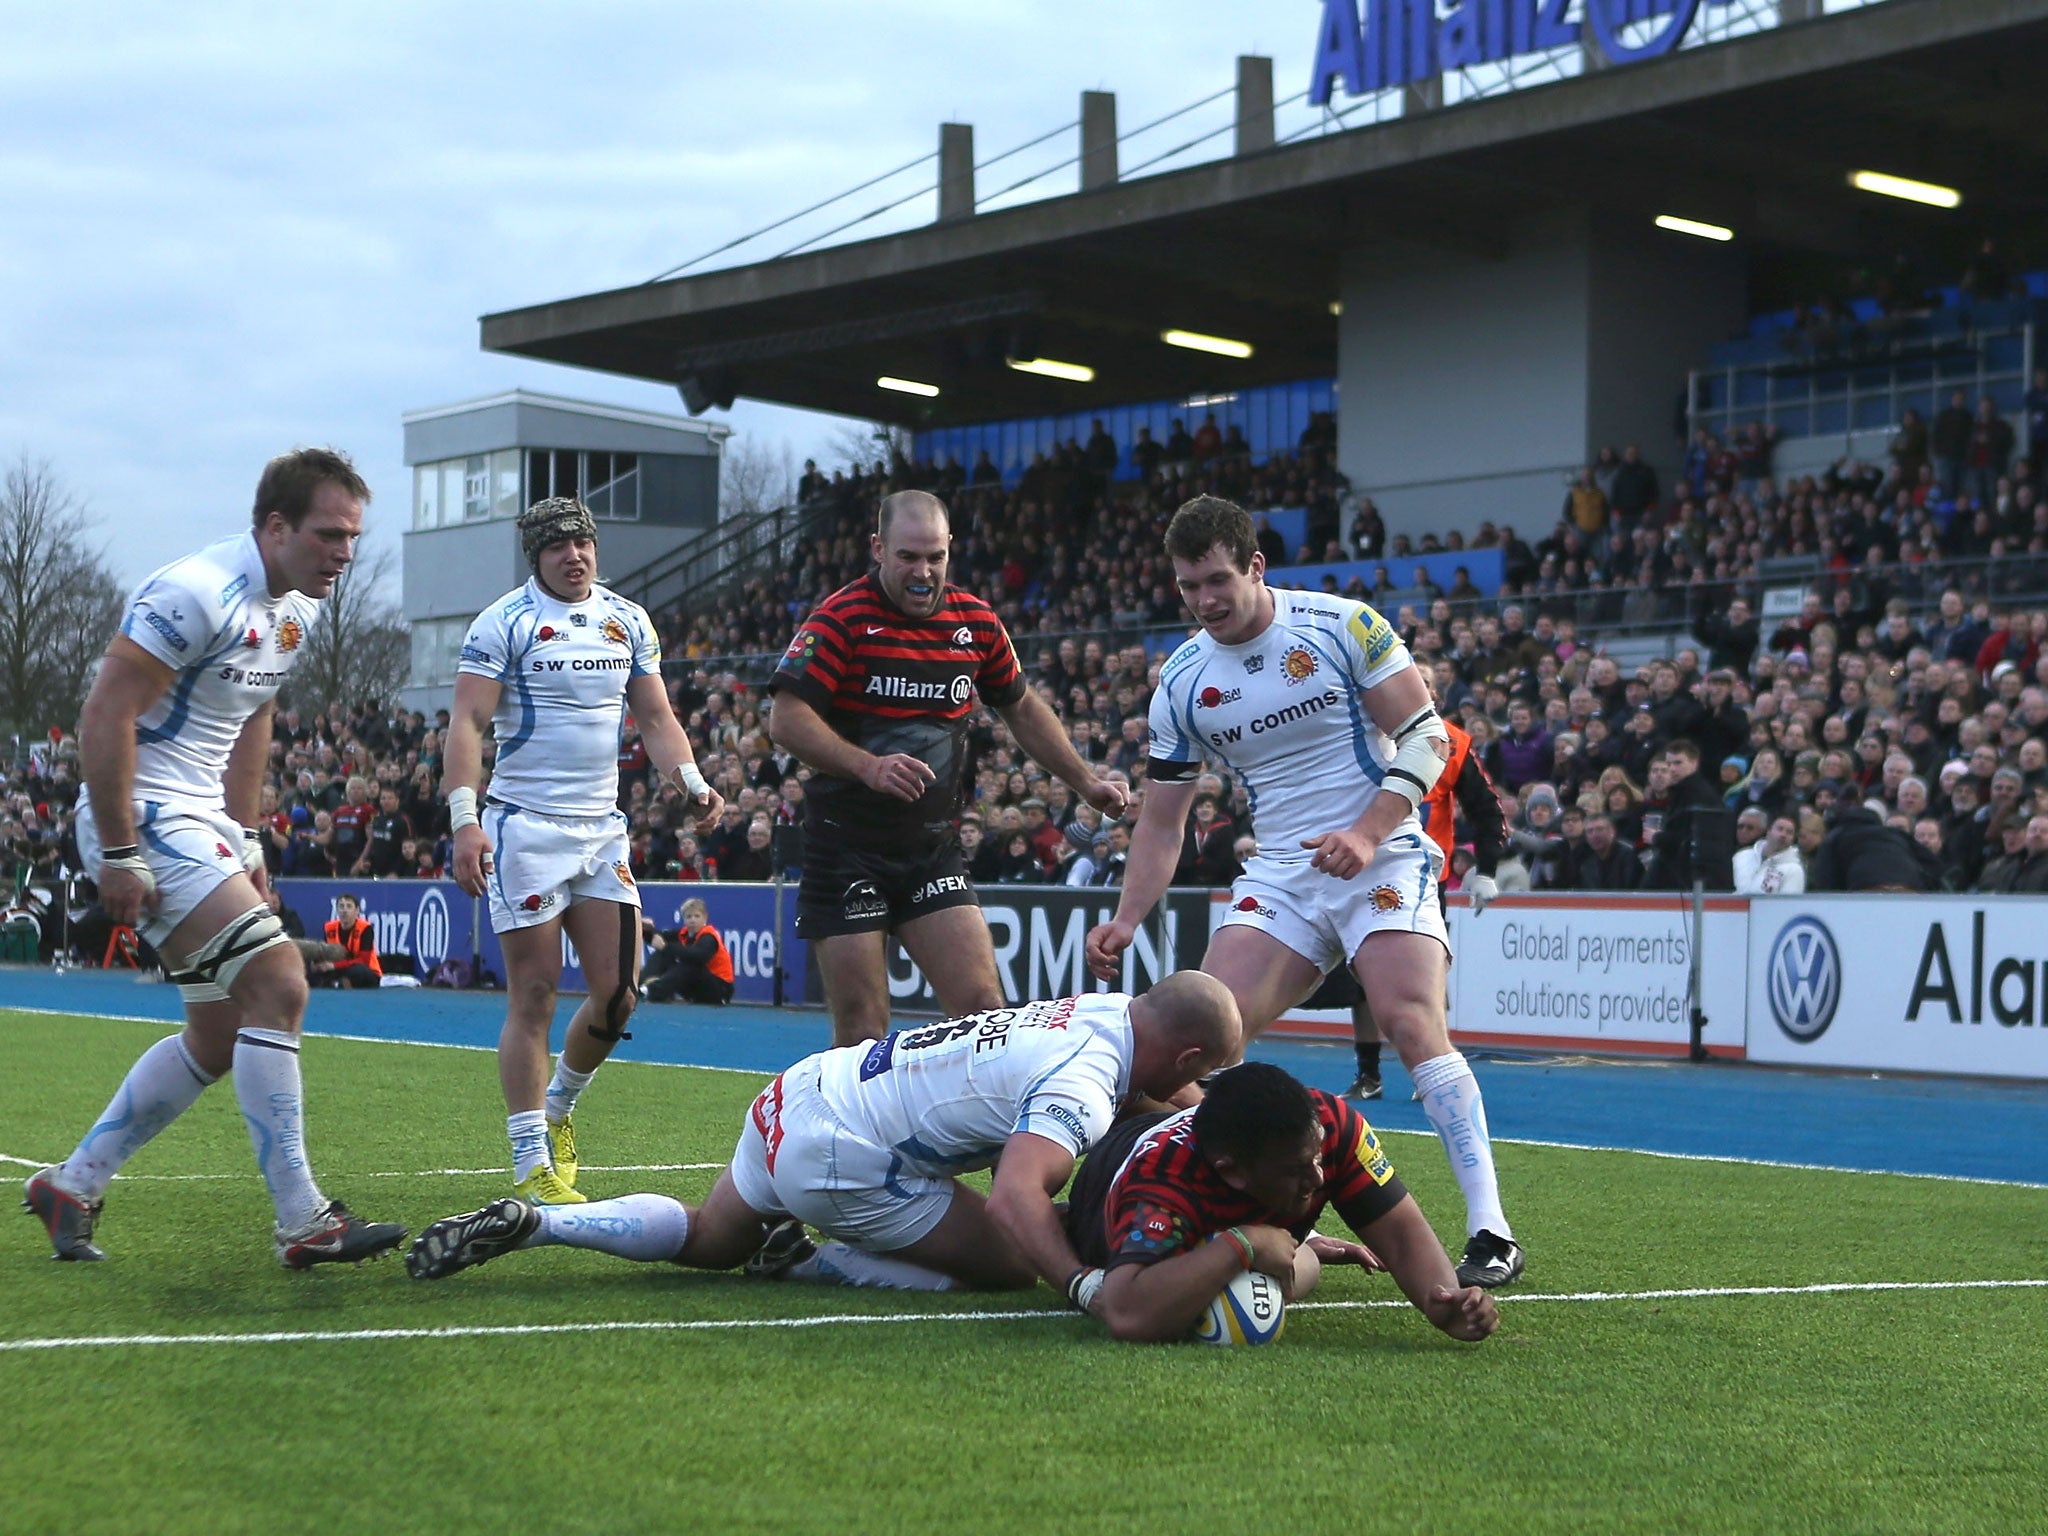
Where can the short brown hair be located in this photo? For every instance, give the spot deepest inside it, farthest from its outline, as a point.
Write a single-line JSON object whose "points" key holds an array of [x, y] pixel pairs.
{"points": [[290, 479], [1203, 522]]}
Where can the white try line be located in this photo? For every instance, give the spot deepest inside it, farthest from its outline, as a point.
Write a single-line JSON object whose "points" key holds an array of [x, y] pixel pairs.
{"points": [[863, 1319], [403, 1173]]}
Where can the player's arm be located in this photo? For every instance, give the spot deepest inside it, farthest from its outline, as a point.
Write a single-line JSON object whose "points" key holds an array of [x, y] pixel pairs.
{"points": [[129, 683], [248, 762], [668, 746], [1400, 706], [1481, 806], [476, 700], [1155, 850], [796, 727], [1045, 741], [1030, 1172], [1153, 1302], [1413, 1254]]}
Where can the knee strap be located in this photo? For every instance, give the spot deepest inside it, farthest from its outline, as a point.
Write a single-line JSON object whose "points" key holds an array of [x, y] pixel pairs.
{"points": [[619, 1006], [210, 973]]}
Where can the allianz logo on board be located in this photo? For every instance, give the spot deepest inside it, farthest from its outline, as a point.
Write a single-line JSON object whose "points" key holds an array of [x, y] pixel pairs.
{"points": [[1803, 979]]}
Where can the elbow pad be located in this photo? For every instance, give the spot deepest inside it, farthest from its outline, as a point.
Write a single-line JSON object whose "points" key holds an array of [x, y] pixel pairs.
{"points": [[1421, 746]]}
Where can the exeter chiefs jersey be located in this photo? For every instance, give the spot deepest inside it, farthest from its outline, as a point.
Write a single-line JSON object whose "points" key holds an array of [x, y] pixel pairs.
{"points": [[1147, 1192], [1282, 712], [891, 683], [211, 619], [564, 667], [945, 1097]]}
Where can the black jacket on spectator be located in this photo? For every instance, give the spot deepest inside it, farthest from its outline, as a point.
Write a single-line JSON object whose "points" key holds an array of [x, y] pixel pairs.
{"points": [[1861, 853], [1621, 870], [1673, 869]]}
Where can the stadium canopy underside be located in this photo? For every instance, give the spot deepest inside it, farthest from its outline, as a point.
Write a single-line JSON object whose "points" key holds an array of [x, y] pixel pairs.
{"points": [[1756, 134]]}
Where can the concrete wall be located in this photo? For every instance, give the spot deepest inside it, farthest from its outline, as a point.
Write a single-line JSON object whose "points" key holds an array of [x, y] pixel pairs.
{"points": [[1475, 385]]}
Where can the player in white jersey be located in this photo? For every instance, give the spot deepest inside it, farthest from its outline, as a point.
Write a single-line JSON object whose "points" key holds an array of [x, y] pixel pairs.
{"points": [[554, 666], [175, 738], [865, 1142], [1314, 702]]}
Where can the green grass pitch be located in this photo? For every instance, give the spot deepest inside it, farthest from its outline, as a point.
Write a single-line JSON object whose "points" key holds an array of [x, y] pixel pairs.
{"points": [[1900, 1410]]}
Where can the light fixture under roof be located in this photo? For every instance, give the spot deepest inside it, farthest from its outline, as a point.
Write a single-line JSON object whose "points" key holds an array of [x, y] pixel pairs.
{"points": [[1073, 373], [1927, 192], [907, 386], [1679, 226], [1195, 341]]}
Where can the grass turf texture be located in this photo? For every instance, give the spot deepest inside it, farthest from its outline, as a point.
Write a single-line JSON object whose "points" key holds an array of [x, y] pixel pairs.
{"points": [[1869, 1412]]}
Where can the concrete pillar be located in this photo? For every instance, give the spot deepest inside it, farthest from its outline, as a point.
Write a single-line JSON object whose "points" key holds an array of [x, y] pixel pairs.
{"points": [[1098, 140], [1254, 103], [956, 171]]}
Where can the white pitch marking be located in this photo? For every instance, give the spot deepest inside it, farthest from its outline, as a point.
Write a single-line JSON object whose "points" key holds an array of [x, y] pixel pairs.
{"points": [[727, 1324], [403, 1173]]}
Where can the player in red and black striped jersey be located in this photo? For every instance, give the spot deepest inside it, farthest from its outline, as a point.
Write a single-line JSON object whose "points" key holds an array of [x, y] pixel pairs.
{"points": [[1170, 1207], [875, 693]]}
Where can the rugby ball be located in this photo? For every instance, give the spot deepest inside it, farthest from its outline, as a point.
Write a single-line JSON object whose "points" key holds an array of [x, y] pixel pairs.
{"points": [[1249, 1310]]}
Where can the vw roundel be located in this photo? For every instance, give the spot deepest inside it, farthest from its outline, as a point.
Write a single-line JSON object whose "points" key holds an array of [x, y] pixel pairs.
{"points": [[1803, 979]]}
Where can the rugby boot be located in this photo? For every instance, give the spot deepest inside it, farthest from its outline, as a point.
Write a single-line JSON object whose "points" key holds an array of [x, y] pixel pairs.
{"points": [[336, 1236], [68, 1218], [544, 1186], [475, 1237], [562, 1151], [1490, 1261]]}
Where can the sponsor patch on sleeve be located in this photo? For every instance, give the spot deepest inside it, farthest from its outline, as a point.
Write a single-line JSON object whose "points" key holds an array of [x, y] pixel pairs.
{"points": [[1375, 636], [1371, 1156]]}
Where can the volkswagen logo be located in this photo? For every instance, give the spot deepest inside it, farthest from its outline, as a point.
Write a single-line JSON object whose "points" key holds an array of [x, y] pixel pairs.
{"points": [[1803, 978], [431, 931]]}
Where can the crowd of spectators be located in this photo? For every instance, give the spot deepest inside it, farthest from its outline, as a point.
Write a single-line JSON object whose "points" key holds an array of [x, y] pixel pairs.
{"points": [[1910, 693]]}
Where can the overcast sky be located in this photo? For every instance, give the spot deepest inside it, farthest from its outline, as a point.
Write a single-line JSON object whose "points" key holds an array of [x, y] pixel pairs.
{"points": [[233, 228]]}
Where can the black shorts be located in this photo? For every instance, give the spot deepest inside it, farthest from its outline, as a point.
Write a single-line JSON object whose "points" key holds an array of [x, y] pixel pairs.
{"points": [[848, 889]]}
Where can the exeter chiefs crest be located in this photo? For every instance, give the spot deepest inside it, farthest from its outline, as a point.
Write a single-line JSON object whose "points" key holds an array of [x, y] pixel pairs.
{"points": [[615, 632], [289, 634], [1299, 664]]}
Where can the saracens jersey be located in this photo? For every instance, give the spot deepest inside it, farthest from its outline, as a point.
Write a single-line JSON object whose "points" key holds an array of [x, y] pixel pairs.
{"points": [[564, 667], [890, 683], [945, 1097], [211, 619], [1147, 1192], [1282, 712]]}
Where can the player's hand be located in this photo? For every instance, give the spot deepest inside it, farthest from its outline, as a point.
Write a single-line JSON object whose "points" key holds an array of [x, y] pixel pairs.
{"points": [[1483, 890], [125, 895], [1108, 797], [898, 775], [1272, 1251], [1335, 1250], [1467, 1314], [707, 809], [472, 863], [1343, 854], [1106, 945]]}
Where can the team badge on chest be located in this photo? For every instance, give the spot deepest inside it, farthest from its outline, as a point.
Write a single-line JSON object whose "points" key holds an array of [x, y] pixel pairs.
{"points": [[1299, 664]]}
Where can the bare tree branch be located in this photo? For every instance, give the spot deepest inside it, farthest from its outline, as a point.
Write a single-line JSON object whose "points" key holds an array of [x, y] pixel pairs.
{"points": [[755, 477], [58, 601], [359, 648]]}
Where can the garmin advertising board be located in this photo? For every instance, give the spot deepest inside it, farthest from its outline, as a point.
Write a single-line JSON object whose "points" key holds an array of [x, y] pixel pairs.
{"points": [[1375, 45], [1901, 983]]}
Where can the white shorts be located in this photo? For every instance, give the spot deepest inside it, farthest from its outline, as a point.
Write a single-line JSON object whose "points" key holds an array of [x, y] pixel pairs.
{"points": [[1325, 919], [543, 865], [795, 1158], [192, 853]]}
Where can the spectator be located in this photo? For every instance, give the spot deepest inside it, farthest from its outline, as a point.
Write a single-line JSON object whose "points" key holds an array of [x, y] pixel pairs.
{"points": [[1954, 429], [1771, 866], [1608, 863], [1990, 449], [754, 861], [1673, 866], [1523, 755], [1585, 504], [1635, 485], [1861, 853]]}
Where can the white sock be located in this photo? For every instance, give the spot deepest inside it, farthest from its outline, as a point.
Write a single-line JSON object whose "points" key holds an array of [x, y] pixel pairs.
{"points": [[164, 1082], [836, 1264], [529, 1132], [648, 1229], [267, 1088], [1450, 1097], [563, 1091]]}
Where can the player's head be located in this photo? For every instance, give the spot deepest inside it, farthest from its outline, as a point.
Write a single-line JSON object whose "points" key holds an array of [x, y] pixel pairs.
{"points": [[1259, 1130], [560, 539], [1185, 1026], [1218, 567], [307, 518], [912, 542]]}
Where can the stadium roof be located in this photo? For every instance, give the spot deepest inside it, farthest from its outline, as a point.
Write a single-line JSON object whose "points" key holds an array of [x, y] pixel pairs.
{"points": [[1758, 134]]}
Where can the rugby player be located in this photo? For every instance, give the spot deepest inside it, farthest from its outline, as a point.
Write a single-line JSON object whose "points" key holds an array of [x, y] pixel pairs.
{"points": [[554, 665], [1168, 1208], [875, 693], [1314, 703], [174, 739], [865, 1142]]}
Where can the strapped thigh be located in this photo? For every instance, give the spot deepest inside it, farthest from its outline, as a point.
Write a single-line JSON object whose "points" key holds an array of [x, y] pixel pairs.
{"points": [[210, 973]]}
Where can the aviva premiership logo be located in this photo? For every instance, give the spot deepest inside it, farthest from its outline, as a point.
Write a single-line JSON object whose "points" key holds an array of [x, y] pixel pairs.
{"points": [[1803, 979]]}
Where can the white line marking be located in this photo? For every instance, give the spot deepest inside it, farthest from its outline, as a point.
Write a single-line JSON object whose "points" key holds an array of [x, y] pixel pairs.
{"points": [[829, 1320], [403, 1173]]}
